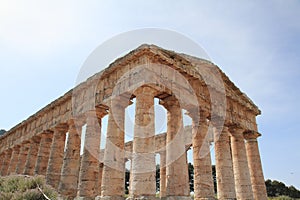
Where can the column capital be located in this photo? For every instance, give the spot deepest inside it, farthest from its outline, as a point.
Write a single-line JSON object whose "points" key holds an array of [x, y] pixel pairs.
{"points": [[25, 142], [46, 134], [251, 135], [225, 129], [198, 114], [235, 129], [36, 138], [75, 122], [161, 152], [97, 113], [122, 101], [61, 127], [9, 150], [101, 112], [16, 147], [217, 121], [145, 89], [169, 102]]}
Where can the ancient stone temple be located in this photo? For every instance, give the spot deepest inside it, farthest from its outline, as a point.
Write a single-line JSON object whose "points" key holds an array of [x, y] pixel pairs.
{"points": [[48, 143]]}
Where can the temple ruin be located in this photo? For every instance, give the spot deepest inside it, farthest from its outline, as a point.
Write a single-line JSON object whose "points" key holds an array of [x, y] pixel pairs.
{"points": [[48, 143]]}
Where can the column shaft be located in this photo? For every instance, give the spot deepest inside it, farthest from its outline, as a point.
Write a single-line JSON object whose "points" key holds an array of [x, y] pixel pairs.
{"points": [[32, 156], [114, 154], [5, 163], [143, 183], [99, 180], [224, 168], [71, 163], [2, 157], [56, 156], [43, 153], [2, 161], [89, 168], [176, 164], [22, 157], [255, 167], [240, 165], [14, 160], [203, 180], [163, 189]]}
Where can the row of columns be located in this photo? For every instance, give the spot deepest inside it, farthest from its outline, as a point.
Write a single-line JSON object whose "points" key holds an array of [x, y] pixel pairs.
{"points": [[31, 157], [48, 155], [238, 165]]}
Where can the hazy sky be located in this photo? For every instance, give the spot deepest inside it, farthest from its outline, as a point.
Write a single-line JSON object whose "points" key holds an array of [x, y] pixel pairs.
{"points": [[43, 45]]}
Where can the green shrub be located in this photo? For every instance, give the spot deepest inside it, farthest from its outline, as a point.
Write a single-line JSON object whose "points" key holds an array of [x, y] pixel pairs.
{"points": [[25, 188]]}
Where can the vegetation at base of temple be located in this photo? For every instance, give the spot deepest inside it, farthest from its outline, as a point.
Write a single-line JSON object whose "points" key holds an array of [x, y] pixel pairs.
{"points": [[25, 187], [281, 198], [276, 190], [2, 131], [34, 188]]}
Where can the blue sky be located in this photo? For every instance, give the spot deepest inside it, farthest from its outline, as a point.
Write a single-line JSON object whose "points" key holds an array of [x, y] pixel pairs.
{"points": [[256, 43]]}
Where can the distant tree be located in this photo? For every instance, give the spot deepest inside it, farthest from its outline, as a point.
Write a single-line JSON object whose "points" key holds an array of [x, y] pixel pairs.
{"points": [[276, 188], [214, 177], [294, 193], [270, 188], [2, 131], [157, 178], [127, 178], [191, 176]]}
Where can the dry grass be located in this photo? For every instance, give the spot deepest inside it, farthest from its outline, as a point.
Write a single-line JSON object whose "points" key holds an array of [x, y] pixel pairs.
{"points": [[25, 188], [281, 198]]}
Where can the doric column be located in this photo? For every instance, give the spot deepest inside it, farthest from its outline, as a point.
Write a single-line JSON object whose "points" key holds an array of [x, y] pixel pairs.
{"points": [[2, 160], [71, 162], [114, 154], [89, 169], [203, 180], [254, 162], [177, 184], [143, 183], [32, 156], [130, 175], [43, 153], [56, 155], [99, 181], [240, 164], [14, 160], [22, 157], [6, 160], [162, 184], [224, 169]]}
